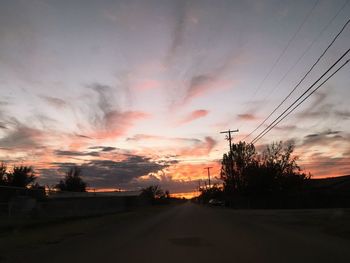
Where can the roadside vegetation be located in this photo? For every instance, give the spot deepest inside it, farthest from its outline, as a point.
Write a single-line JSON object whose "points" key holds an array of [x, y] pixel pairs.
{"points": [[73, 181], [252, 178], [155, 195], [21, 181]]}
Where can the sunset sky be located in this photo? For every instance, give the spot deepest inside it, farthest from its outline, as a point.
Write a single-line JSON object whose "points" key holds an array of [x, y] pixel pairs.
{"points": [[137, 92]]}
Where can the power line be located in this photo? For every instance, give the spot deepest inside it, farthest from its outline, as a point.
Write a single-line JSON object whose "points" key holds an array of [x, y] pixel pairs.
{"points": [[284, 50], [304, 53], [301, 80], [272, 125]]}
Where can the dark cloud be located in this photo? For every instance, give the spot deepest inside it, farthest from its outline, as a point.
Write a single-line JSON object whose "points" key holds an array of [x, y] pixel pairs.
{"points": [[342, 114], [75, 153], [55, 102], [109, 173], [83, 136], [286, 127], [324, 138], [317, 107], [104, 148], [246, 117], [105, 97], [320, 111], [3, 125], [320, 107], [4, 103], [22, 136]]}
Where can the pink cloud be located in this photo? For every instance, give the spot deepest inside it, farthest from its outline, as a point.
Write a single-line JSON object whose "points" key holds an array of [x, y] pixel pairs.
{"points": [[194, 115], [147, 84], [116, 123], [203, 84]]}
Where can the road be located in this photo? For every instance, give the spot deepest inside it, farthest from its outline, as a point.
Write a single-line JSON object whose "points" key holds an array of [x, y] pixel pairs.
{"points": [[194, 233]]}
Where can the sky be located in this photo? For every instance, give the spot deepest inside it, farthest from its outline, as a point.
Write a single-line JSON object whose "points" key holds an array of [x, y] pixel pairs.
{"points": [[137, 92]]}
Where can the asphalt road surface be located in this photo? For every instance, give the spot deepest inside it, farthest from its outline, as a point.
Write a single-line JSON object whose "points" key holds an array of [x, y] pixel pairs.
{"points": [[194, 233]]}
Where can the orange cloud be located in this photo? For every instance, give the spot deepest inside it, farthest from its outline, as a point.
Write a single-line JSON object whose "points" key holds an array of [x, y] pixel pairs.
{"points": [[195, 171]]}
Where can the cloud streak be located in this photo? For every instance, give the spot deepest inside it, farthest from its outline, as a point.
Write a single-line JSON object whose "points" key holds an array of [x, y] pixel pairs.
{"points": [[247, 117], [177, 36], [22, 137], [55, 102], [194, 115], [108, 120]]}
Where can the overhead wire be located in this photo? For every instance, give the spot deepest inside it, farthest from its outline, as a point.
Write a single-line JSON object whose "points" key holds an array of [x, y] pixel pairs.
{"points": [[260, 85], [302, 55], [283, 115], [301, 80]]}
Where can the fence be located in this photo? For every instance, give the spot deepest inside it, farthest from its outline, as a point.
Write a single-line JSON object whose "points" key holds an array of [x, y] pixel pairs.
{"points": [[41, 202]]}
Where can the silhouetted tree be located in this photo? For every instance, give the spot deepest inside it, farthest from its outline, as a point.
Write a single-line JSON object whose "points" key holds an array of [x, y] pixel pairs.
{"points": [[3, 174], [21, 176], [280, 168], [235, 165], [152, 192], [274, 171], [72, 181], [214, 192]]}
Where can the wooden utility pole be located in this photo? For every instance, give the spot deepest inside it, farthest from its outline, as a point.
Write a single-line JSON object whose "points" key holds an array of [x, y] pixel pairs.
{"points": [[229, 137], [208, 168]]}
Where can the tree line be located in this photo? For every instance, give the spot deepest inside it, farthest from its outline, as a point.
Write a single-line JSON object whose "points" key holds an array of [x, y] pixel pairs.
{"points": [[22, 180], [250, 175], [24, 176]]}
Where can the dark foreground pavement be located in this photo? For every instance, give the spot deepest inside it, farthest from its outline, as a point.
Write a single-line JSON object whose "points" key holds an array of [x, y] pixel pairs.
{"points": [[193, 233]]}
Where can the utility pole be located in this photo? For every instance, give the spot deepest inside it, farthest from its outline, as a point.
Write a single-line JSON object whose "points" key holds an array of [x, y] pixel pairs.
{"points": [[229, 137], [208, 168]]}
